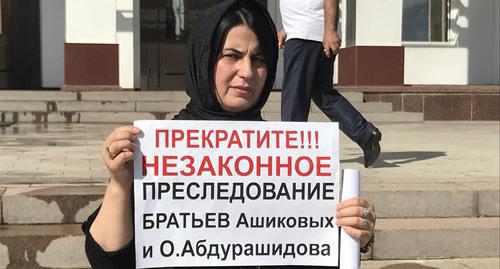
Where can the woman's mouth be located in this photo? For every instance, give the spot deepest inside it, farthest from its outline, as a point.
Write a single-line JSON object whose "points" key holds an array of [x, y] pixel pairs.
{"points": [[242, 88]]}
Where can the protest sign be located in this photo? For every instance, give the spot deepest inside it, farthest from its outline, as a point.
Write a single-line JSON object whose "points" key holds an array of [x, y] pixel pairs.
{"points": [[230, 193]]}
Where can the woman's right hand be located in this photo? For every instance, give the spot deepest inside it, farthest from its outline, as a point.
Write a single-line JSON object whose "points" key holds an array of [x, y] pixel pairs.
{"points": [[117, 152]]}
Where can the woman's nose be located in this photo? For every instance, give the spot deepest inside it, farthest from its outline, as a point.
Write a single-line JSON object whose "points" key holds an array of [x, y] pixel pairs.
{"points": [[245, 68]]}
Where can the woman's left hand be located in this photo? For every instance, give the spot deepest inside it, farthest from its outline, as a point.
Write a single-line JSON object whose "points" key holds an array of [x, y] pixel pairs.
{"points": [[357, 217]]}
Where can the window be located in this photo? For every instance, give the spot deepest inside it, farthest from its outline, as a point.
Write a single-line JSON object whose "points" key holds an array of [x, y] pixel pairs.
{"points": [[4, 15], [425, 20], [1, 29]]}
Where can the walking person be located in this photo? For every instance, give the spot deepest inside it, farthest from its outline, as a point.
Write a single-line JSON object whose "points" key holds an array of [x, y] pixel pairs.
{"points": [[310, 41]]}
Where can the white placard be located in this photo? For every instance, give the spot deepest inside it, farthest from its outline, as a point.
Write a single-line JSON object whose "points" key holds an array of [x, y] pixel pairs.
{"points": [[230, 193]]}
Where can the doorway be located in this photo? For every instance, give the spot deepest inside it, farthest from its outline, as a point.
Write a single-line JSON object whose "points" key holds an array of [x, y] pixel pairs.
{"points": [[20, 44]]}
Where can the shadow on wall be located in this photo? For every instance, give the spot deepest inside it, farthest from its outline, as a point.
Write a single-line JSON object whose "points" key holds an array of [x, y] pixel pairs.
{"points": [[408, 266], [472, 21], [396, 159]]}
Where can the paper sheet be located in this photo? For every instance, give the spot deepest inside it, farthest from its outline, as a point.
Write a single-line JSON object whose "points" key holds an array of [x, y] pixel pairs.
{"points": [[349, 247], [206, 194]]}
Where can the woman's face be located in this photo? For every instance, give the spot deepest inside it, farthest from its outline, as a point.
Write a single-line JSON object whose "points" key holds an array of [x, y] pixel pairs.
{"points": [[240, 71]]}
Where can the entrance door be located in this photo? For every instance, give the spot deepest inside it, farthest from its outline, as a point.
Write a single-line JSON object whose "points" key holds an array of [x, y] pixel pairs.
{"points": [[20, 44], [165, 25], [4, 57]]}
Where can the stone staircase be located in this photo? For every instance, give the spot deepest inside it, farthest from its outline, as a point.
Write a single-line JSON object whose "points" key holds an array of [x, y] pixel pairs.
{"points": [[434, 221], [422, 224], [121, 107]]}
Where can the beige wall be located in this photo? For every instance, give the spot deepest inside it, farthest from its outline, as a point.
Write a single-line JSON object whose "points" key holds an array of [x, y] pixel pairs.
{"points": [[91, 22]]}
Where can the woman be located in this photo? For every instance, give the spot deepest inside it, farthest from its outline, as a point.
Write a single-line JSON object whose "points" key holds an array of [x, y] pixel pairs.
{"points": [[229, 77]]}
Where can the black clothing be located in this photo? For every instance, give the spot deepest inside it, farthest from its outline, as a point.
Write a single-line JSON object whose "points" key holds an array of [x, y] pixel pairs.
{"points": [[308, 75]]}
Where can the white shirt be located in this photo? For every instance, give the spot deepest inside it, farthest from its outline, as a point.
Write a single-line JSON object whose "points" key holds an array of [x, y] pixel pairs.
{"points": [[303, 19]]}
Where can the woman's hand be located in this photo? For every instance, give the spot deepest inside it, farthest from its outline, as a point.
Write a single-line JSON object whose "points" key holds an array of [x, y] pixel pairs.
{"points": [[113, 226], [357, 217], [117, 150]]}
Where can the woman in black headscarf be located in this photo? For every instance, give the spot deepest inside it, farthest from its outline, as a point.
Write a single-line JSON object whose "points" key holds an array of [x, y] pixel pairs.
{"points": [[231, 58]]}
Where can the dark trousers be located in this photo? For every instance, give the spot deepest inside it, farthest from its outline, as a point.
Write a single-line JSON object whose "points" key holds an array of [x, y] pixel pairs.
{"points": [[308, 74]]}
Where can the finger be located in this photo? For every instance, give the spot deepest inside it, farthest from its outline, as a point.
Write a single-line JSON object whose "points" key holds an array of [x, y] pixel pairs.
{"points": [[120, 135], [129, 128], [354, 233], [356, 201], [326, 51], [119, 132], [352, 211], [355, 211], [355, 222], [362, 235], [335, 48], [119, 161], [121, 145]]}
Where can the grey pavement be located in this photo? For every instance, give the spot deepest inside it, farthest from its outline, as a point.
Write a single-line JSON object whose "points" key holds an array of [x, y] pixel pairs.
{"points": [[492, 263], [436, 188], [417, 153]]}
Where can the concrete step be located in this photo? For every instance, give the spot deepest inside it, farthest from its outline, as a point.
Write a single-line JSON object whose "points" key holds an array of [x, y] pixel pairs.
{"points": [[38, 96], [353, 97], [365, 107], [361, 107], [130, 96], [73, 203], [434, 200], [126, 96], [42, 246], [128, 117], [91, 106], [394, 117], [50, 205], [82, 117], [144, 106], [436, 238], [390, 117], [127, 106], [62, 245], [484, 263]]}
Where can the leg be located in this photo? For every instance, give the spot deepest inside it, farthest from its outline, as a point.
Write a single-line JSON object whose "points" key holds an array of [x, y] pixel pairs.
{"points": [[298, 80], [337, 108]]}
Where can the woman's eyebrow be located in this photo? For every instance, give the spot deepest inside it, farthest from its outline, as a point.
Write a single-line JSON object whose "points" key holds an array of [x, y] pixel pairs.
{"points": [[255, 52], [232, 50]]}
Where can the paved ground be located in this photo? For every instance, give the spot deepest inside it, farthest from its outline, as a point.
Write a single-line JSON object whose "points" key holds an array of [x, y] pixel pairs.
{"points": [[415, 156], [492, 263], [416, 153]]}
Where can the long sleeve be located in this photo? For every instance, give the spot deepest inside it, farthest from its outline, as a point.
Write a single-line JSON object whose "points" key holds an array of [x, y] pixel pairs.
{"points": [[99, 258]]}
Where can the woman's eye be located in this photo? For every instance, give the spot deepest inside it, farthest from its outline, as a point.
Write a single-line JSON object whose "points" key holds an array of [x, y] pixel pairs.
{"points": [[232, 56], [259, 59]]}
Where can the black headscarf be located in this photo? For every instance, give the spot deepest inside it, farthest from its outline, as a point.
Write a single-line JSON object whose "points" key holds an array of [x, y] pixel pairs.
{"points": [[202, 53]]}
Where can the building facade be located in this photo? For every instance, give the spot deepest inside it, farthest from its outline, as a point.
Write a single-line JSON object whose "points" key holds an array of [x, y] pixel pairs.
{"points": [[132, 44]]}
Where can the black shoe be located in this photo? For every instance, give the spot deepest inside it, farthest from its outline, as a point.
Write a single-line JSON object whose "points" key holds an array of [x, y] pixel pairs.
{"points": [[372, 148]]}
